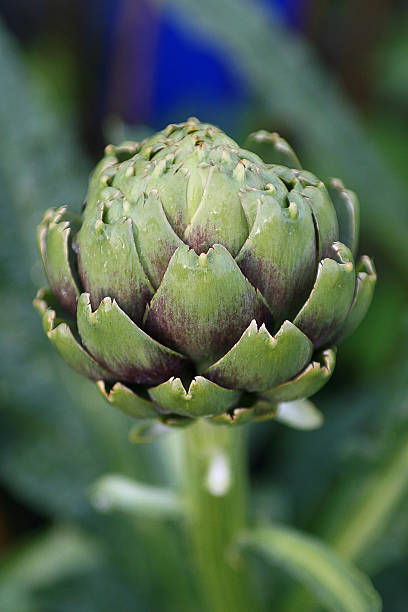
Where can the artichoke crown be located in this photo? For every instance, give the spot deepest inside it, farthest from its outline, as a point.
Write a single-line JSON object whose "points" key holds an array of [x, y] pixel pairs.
{"points": [[201, 280]]}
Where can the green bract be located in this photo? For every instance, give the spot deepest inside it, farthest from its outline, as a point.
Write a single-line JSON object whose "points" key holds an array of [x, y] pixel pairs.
{"points": [[201, 281]]}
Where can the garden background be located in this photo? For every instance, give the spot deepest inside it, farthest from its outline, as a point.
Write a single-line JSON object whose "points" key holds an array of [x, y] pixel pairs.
{"points": [[332, 78]]}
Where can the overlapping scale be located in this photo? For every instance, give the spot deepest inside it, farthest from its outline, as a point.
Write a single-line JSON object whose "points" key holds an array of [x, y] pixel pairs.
{"points": [[325, 310], [109, 264], [155, 238], [203, 305], [220, 218], [203, 397], [120, 345], [279, 256], [53, 238], [60, 334], [259, 361]]}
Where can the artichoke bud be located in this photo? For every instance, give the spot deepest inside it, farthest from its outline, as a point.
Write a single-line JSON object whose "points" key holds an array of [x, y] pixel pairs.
{"points": [[202, 281]]}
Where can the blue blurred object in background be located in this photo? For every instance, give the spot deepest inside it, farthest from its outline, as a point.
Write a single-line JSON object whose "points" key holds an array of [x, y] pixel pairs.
{"points": [[192, 78], [158, 72]]}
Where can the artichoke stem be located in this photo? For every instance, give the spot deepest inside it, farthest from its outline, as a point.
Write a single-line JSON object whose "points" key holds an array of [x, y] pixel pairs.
{"points": [[216, 483]]}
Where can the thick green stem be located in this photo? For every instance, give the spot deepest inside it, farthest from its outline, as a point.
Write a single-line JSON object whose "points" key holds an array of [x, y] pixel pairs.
{"points": [[216, 489]]}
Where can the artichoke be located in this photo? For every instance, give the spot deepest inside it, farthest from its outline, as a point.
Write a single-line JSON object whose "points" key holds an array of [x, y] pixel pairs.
{"points": [[200, 280]]}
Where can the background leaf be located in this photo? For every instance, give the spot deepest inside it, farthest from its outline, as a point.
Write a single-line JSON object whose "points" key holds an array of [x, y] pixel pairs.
{"points": [[336, 584], [114, 492]]}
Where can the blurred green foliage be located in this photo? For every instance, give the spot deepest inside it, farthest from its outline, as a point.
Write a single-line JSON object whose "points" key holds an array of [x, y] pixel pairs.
{"points": [[347, 482]]}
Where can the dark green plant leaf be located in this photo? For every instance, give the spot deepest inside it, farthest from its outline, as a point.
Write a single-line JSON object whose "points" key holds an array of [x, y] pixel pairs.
{"points": [[52, 556]]}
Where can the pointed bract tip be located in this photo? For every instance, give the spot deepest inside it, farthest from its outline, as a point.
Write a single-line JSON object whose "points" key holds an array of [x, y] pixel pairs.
{"points": [[336, 183], [109, 149], [271, 188], [239, 171], [202, 260], [293, 210]]}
